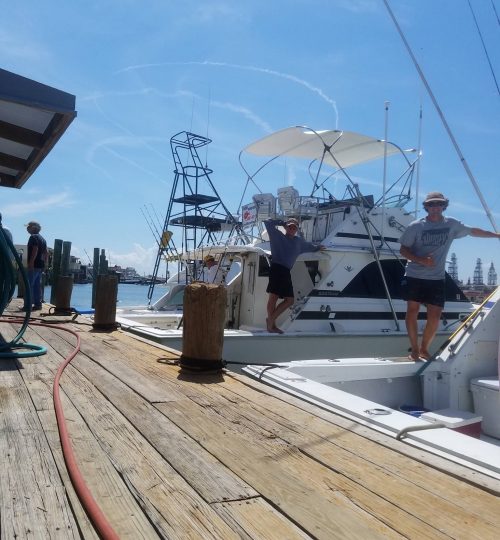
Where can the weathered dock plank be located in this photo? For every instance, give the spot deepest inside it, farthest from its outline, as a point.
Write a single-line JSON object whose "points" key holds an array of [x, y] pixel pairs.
{"points": [[168, 454], [32, 495], [101, 476], [165, 495], [365, 471]]}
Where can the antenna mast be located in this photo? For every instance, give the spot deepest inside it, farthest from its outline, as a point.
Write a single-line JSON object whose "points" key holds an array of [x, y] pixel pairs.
{"points": [[443, 119]]}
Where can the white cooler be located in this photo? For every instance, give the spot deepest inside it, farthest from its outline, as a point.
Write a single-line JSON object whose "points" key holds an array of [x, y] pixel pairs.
{"points": [[486, 398]]}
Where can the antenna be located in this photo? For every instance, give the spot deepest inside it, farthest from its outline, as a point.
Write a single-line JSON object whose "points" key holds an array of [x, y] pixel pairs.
{"points": [[208, 122], [386, 107], [419, 150], [443, 119]]}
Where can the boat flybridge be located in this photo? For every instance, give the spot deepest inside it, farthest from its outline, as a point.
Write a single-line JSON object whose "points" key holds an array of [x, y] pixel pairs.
{"points": [[449, 406], [347, 298]]}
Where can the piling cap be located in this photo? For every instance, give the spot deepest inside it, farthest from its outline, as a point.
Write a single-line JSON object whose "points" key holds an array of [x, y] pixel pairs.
{"points": [[34, 225]]}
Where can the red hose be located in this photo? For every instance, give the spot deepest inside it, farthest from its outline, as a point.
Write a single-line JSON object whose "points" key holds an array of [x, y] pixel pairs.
{"points": [[96, 516]]}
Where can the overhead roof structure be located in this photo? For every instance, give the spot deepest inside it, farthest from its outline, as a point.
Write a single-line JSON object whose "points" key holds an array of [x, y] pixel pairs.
{"points": [[33, 117]]}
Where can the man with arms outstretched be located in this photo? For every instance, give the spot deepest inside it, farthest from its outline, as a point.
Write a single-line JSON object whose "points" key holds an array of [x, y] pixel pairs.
{"points": [[425, 244]]}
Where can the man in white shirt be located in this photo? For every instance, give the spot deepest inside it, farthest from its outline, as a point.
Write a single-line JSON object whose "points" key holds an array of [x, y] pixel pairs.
{"points": [[211, 272]]}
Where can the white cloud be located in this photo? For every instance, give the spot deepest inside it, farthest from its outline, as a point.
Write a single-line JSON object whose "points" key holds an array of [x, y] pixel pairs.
{"points": [[17, 46], [34, 205], [314, 89], [358, 6], [141, 258]]}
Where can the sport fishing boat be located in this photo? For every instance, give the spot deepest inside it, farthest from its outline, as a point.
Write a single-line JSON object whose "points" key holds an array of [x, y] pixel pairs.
{"points": [[347, 298], [449, 406]]}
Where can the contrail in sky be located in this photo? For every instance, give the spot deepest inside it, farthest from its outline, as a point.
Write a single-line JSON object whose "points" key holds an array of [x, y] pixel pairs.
{"points": [[267, 71]]}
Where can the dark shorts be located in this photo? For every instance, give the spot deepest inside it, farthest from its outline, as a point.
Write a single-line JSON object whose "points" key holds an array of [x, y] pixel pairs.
{"points": [[280, 281], [425, 291]]}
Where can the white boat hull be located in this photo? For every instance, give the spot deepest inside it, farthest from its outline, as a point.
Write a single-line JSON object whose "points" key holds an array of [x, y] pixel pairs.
{"points": [[383, 392], [245, 347]]}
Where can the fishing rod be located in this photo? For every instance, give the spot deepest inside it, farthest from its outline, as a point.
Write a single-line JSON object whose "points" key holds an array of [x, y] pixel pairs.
{"points": [[443, 119], [151, 224], [91, 264]]}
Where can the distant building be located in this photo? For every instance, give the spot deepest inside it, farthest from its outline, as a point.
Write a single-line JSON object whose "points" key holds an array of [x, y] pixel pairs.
{"points": [[127, 275], [492, 276], [477, 280], [477, 292], [453, 268]]}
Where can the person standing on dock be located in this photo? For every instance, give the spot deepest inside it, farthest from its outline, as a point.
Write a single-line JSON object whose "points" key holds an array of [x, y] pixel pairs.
{"points": [[285, 248], [425, 244], [37, 258]]}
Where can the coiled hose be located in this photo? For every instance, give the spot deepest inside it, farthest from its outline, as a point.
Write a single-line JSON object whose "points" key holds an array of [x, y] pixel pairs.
{"points": [[7, 287]]}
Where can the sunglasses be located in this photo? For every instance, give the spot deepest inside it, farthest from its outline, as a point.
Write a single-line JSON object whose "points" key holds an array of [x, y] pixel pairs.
{"points": [[432, 204], [291, 226]]}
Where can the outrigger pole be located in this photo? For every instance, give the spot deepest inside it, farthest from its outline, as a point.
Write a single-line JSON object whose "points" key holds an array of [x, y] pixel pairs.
{"points": [[443, 119]]}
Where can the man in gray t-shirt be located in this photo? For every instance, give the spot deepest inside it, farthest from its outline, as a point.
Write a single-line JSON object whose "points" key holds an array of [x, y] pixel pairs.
{"points": [[425, 244]]}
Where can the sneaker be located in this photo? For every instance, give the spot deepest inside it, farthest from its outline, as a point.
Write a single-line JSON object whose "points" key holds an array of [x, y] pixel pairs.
{"points": [[38, 307]]}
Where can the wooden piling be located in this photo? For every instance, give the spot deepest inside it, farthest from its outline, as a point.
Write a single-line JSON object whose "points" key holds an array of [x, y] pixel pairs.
{"points": [[105, 301], [95, 273], [203, 327], [56, 268], [62, 299], [65, 258], [20, 285]]}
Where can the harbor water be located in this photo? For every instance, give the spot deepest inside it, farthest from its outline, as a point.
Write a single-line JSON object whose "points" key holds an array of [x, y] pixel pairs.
{"points": [[128, 295]]}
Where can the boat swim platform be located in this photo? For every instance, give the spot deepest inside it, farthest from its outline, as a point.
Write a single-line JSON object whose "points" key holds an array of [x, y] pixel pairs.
{"points": [[170, 454]]}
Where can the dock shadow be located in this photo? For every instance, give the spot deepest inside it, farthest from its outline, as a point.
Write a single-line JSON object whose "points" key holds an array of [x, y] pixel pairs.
{"points": [[204, 377]]}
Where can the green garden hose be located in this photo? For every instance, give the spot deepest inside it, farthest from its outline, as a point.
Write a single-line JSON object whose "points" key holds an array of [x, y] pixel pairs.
{"points": [[8, 253]]}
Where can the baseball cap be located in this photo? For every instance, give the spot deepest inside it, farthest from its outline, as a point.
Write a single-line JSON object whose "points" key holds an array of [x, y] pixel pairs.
{"points": [[292, 221]]}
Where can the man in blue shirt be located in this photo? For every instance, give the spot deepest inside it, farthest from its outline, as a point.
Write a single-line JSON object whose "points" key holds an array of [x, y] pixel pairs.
{"points": [[285, 248], [425, 244], [37, 258]]}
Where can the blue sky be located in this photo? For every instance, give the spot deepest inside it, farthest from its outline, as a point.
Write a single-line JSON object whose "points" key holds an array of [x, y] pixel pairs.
{"points": [[143, 70]]}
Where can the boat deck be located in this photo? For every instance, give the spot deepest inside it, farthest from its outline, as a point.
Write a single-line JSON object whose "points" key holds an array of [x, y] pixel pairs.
{"points": [[170, 454]]}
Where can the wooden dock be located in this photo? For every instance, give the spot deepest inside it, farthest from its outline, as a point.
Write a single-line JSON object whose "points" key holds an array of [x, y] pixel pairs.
{"points": [[168, 454]]}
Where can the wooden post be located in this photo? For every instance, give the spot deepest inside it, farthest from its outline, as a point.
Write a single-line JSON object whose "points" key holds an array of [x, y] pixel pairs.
{"points": [[105, 301], [203, 327], [20, 285], [56, 269], [103, 262], [95, 273], [63, 294], [65, 257]]}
